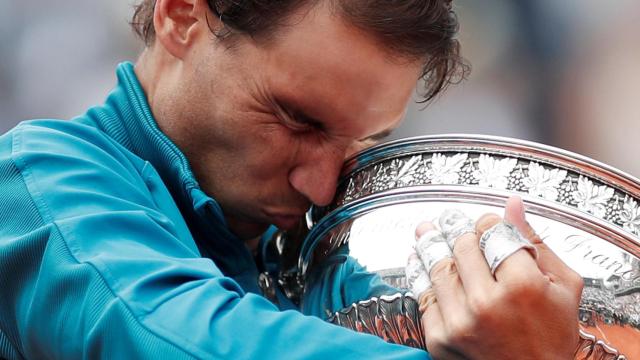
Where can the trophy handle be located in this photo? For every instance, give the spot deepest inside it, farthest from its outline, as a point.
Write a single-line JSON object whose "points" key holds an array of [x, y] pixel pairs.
{"points": [[590, 348], [396, 319]]}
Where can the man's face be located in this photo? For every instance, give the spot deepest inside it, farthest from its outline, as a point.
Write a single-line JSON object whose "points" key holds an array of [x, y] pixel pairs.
{"points": [[267, 125]]}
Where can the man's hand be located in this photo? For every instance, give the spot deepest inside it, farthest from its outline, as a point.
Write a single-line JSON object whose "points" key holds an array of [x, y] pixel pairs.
{"points": [[527, 310]]}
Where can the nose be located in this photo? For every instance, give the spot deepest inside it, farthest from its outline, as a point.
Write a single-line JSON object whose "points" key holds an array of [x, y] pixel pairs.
{"points": [[316, 175]]}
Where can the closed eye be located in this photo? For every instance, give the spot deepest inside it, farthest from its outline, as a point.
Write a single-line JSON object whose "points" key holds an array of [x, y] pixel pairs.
{"points": [[299, 121], [304, 119], [378, 137]]}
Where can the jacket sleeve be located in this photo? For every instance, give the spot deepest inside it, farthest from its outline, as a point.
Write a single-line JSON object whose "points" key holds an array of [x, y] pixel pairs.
{"points": [[339, 282], [92, 267]]}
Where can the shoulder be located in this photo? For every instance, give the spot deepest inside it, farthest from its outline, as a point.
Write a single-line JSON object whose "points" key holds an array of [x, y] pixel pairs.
{"points": [[60, 145], [65, 162], [68, 139]]}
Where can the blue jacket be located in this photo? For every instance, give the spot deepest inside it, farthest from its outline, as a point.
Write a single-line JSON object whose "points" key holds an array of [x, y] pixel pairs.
{"points": [[109, 249]]}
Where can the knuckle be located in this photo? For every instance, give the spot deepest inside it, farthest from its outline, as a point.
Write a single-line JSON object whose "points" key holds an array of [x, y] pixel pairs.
{"points": [[460, 328], [435, 338], [486, 312], [436, 344], [480, 308], [575, 282], [465, 245], [487, 220], [443, 271], [531, 235], [531, 290]]}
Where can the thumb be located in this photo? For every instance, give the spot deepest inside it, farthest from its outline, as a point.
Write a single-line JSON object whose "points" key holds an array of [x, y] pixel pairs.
{"points": [[514, 214], [548, 261]]}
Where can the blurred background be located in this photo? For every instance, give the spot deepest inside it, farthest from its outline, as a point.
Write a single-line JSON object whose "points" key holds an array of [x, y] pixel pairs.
{"points": [[564, 73]]}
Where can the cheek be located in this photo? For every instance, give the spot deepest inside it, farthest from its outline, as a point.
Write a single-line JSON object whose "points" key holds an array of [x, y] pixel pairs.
{"points": [[271, 150], [282, 150]]}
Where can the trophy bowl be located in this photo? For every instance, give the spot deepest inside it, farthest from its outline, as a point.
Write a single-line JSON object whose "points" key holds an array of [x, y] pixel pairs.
{"points": [[587, 212]]}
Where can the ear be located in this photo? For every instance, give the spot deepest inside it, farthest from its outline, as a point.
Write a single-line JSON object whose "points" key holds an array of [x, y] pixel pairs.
{"points": [[178, 24]]}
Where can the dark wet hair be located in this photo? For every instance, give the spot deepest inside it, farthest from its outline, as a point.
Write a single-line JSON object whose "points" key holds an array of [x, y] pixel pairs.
{"points": [[415, 29]]}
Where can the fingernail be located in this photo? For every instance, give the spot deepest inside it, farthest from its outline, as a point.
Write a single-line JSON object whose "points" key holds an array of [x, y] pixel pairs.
{"points": [[423, 227]]}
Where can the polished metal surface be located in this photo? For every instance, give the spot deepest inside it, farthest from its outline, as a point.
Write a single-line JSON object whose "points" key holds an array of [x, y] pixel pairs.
{"points": [[587, 212], [394, 318]]}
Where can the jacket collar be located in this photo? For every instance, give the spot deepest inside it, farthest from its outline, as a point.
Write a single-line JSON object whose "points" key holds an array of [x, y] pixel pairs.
{"points": [[127, 118]]}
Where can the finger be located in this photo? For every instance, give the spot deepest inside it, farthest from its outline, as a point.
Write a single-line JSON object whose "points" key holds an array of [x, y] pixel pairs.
{"points": [[433, 326], [425, 300], [486, 221], [434, 252], [423, 228], [453, 224], [548, 262], [514, 213], [450, 293], [472, 267], [505, 250], [422, 284], [431, 246], [436, 336], [413, 269], [416, 274], [552, 266]]}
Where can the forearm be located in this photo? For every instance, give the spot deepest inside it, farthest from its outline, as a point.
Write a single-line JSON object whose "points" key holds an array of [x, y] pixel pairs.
{"points": [[74, 311]]}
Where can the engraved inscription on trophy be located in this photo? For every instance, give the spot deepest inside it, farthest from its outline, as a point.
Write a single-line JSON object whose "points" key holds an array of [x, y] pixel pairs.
{"points": [[624, 269]]}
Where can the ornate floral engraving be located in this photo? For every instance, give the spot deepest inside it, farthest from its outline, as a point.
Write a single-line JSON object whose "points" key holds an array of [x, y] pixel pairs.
{"points": [[446, 169], [543, 182], [516, 180], [499, 172], [351, 190], [592, 198], [466, 174], [494, 172], [565, 191], [630, 215], [407, 174]]}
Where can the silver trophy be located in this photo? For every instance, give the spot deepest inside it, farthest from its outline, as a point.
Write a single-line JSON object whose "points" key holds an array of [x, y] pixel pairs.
{"points": [[587, 212]]}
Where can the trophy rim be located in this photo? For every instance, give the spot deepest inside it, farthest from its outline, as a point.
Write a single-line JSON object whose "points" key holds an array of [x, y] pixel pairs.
{"points": [[341, 208], [522, 149]]}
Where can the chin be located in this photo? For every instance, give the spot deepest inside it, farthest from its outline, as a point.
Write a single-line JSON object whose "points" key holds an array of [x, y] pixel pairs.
{"points": [[246, 230], [286, 222]]}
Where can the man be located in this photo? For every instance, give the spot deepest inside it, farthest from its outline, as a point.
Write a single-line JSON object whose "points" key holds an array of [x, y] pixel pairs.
{"points": [[133, 231]]}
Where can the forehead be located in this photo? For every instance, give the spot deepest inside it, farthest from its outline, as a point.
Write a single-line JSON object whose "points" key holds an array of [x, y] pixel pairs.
{"points": [[343, 73]]}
